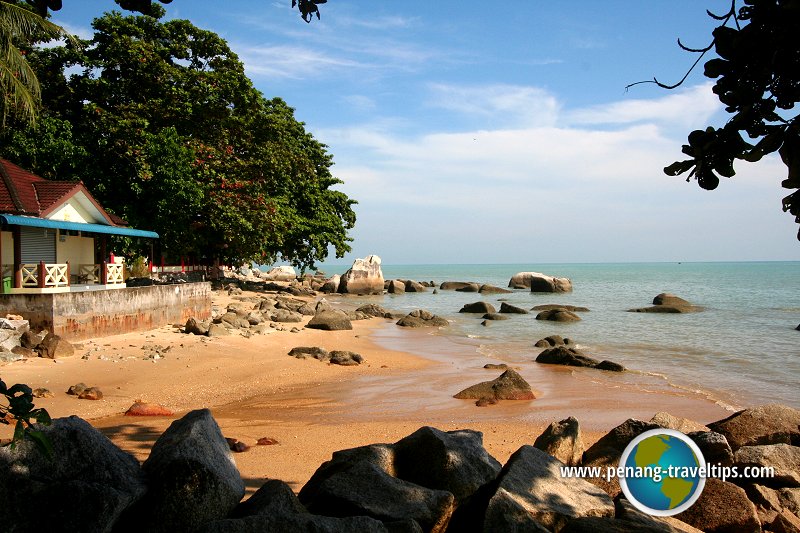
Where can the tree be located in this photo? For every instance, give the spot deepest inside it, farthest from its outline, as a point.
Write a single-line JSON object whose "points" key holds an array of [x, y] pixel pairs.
{"points": [[758, 79], [168, 132], [18, 83]]}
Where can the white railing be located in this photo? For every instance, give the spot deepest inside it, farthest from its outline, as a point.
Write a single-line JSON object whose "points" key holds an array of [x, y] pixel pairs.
{"points": [[30, 274], [56, 275], [88, 274], [115, 273]]}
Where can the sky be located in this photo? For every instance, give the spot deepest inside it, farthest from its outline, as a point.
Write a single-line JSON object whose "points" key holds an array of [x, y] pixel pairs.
{"points": [[481, 132]]}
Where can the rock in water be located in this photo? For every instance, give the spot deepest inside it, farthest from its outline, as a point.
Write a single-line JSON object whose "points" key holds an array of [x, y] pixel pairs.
{"points": [[422, 319], [364, 277], [477, 307], [668, 303], [538, 282], [558, 315], [85, 485], [509, 386], [192, 478]]}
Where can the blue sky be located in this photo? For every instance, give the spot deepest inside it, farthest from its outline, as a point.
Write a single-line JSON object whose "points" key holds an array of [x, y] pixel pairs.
{"points": [[475, 132]]}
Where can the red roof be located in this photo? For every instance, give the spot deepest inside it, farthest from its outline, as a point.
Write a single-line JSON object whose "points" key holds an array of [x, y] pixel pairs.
{"points": [[25, 193]]}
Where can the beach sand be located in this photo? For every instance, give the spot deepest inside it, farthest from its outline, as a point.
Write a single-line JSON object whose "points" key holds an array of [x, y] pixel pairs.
{"points": [[254, 389]]}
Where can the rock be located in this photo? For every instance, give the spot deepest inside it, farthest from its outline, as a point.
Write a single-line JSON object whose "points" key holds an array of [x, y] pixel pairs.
{"points": [[508, 308], [216, 330], [558, 315], [453, 461], [303, 352], [538, 282], [668, 303], [41, 392], [77, 389], [790, 499], [492, 366], [281, 273], [714, 446], [553, 340], [564, 355], [477, 307], [684, 425], [31, 340], [333, 320], [54, 347], [413, 286], [195, 327], [286, 316], [509, 386], [14, 323], [366, 489], [236, 446], [469, 287], [24, 352], [140, 408], [306, 309], [91, 393], [85, 485], [453, 285], [491, 289], [322, 305], [608, 450], [192, 478], [345, 358], [563, 441], [494, 316], [396, 287], [550, 307], [331, 285], [9, 357], [254, 318], [364, 277], [422, 319], [783, 458], [531, 495], [626, 512], [374, 310], [722, 507], [275, 498], [609, 366], [266, 441], [766, 424]]}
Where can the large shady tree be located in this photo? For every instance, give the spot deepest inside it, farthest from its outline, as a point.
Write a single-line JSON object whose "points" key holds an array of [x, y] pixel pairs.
{"points": [[757, 73], [167, 131]]}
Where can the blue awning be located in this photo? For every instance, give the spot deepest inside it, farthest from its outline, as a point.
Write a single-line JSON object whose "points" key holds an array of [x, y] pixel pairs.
{"points": [[16, 220]]}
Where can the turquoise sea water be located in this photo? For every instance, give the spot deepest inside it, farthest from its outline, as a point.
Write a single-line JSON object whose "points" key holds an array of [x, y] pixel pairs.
{"points": [[742, 350]]}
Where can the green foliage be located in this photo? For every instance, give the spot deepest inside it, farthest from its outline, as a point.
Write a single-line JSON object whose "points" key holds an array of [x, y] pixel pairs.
{"points": [[137, 268], [16, 406], [168, 132], [757, 77]]}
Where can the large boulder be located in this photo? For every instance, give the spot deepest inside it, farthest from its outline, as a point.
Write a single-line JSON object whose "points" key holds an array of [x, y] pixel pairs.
{"points": [[684, 425], [195, 327], [563, 441], [491, 289], [553, 340], [766, 424], [422, 319], [469, 287], [332, 320], [374, 310], [722, 508], [331, 284], [558, 315], [784, 459], [455, 285], [714, 447], [455, 461], [549, 307], [85, 485], [477, 307], [567, 356], [414, 286], [364, 277], [538, 282], [506, 307], [531, 495], [395, 286], [668, 303], [508, 386], [55, 347], [284, 315], [281, 273], [192, 478]]}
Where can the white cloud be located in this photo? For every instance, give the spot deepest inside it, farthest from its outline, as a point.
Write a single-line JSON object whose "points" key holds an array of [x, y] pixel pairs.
{"points": [[291, 61]]}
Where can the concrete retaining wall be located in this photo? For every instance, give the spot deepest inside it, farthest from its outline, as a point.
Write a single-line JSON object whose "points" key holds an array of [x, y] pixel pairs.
{"points": [[82, 315]]}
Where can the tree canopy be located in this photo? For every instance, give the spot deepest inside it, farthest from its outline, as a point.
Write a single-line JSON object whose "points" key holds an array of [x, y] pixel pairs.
{"points": [[164, 127], [757, 75]]}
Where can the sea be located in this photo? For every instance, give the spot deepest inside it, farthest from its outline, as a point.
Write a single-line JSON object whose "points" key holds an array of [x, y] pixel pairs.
{"points": [[743, 349]]}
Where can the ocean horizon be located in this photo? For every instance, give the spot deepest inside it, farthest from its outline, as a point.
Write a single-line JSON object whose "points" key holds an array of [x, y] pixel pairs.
{"points": [[741, 350]]}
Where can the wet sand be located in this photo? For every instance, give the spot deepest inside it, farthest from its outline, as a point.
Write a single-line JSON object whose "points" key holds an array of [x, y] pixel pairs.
{"points": [[312, 409]]}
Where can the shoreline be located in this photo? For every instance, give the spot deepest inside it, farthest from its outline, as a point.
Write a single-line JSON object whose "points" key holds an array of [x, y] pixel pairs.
{"points": [[312, 409]]}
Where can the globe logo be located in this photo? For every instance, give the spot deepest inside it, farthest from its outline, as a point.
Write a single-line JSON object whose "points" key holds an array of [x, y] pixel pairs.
{"points": [[661, 472]]}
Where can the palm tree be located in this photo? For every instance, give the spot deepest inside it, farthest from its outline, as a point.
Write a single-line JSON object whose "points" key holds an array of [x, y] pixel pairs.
{"points": [[18, 83]]}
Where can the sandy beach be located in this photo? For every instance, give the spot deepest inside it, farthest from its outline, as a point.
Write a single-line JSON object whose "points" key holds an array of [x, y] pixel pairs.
{"points": [[312, 409]]}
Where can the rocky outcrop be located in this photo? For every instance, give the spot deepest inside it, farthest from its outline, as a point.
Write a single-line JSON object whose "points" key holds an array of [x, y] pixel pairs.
{"points": [[558, 315], [532, 495], [331, 284], [512, 309], [509, 386], [668, 303], [553, 340], [364, 277], [395, 286], [374, 310], [333, 320], [281, 273], [195, 327], [722, 507], [54, 347], [564, 355], [784, 459], [455, 285], [477, 307], [684, 425], [563, 441], [766, 424], [714, 447], [414, 286], [86, 484], [192, 478], [538, 282], [422, 319], [469, 287]]}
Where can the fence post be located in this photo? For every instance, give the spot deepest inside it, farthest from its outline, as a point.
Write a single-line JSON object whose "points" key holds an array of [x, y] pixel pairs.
{"points": [[42, 274], [69, 276], [104, 272]]}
